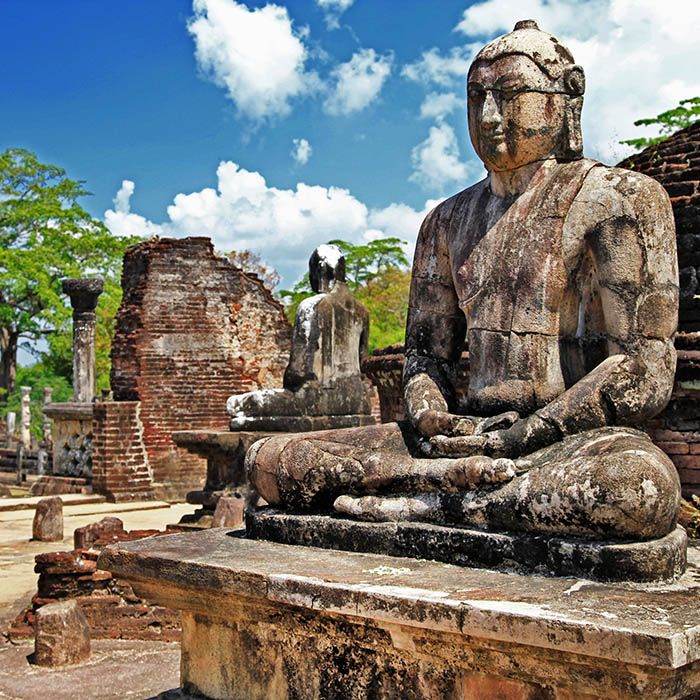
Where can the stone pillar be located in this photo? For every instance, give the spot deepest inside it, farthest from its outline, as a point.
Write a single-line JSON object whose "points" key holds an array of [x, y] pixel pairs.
{"points": [[46, 426], [10, 423], [25, 436], [83, 295]]}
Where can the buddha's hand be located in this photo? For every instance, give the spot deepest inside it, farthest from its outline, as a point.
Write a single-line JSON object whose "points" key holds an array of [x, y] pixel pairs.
{"points": [[522, 437], [431, 423]]}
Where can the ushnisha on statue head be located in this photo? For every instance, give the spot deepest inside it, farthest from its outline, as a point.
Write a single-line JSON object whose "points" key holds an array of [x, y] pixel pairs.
{"points": [[525, 95]]}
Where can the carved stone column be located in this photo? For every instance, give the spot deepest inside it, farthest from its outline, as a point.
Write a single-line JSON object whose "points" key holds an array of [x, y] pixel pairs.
{"points": [[83, 297], [26, 418], [46, 426]]}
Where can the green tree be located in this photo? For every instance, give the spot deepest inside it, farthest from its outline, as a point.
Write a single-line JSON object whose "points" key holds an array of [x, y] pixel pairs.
{"points": [[385, 297], [686, 113], [45, 235], [377, 274]]}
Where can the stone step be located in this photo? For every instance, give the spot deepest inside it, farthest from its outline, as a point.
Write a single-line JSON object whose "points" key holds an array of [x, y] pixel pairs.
{"points": [[29, 502], [101, 508]]}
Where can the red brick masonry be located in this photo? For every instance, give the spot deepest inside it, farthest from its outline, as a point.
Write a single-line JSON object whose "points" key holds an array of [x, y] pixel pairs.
{"points": [[192, 329], [112, 609]]}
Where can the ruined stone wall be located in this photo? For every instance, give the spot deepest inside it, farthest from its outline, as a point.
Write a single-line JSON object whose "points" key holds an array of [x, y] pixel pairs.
{"points": [[112, 609], [192, 330]]}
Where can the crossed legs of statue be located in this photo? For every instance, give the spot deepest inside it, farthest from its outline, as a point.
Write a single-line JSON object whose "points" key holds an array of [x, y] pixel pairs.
{"points": [[609, 483]]}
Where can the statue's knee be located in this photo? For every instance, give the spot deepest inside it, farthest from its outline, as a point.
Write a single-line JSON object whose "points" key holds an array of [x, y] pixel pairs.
{"points": [[262, 466], [639, 493]]}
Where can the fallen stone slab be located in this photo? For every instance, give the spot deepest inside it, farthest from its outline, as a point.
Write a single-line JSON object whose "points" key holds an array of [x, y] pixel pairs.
{"points": [[62, 635], [48, 520]]}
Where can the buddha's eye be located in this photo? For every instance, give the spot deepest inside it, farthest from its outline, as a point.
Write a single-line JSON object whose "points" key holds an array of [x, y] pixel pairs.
{"points": [[508, 92], [475, 92]]}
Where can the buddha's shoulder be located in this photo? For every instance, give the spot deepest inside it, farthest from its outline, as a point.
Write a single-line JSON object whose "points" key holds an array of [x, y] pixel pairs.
{"points": [[619, 191]]}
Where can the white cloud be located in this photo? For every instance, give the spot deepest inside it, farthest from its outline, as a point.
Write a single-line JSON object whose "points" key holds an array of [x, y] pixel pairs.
{"points": [[358, 81], [640, 57], [444, 70], [281, 225], [436, 163], [439, 105], [256, 55], [121, 222], [301, 152], [332, 9]]}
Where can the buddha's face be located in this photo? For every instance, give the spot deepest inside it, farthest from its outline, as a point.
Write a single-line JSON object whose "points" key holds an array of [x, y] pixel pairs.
{"points": [[516, 114]]}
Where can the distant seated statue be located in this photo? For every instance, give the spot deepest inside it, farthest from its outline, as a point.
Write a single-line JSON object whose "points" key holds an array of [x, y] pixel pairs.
{"points": [[561, 275], [322, 385]]}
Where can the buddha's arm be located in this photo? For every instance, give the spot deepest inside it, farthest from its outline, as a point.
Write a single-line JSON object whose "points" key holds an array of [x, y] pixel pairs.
{"points": [[435, 332], [637, 278]]}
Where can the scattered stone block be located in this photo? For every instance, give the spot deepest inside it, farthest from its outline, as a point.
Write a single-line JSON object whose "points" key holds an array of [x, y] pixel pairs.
{"points": [[48, 520], [108, 529], [62, 635], [229, 511]]}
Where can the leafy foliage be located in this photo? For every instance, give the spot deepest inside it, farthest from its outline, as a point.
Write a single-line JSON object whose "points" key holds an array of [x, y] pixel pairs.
{"points": [[38, 376], [45, 236], [252, 262], [686, 113], [386, 298], [377, 274]]}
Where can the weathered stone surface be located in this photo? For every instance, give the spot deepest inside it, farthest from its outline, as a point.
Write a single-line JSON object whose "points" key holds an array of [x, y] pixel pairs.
{"points": [[323, 385], [62, 635], [229, 511], [48, 520], [656, 560], [108, 529], [267, 620], [561, 275]]}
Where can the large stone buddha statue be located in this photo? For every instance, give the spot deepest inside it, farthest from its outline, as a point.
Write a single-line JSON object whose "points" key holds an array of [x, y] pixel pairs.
{"points": [[560, 275]]}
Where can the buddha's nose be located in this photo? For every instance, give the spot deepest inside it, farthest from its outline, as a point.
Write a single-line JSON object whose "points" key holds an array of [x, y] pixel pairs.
{"points": [[490, 112]]}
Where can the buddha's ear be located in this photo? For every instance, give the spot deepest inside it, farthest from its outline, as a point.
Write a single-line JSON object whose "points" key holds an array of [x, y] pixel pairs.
{"points": [[574, 80]]}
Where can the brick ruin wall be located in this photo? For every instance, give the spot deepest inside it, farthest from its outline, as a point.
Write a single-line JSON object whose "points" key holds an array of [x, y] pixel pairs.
{"points": [[192, 329], [675, 163]]}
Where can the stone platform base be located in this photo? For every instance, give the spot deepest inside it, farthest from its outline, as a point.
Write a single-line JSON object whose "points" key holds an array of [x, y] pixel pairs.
{"points": [[657, 560], [262, 620]]}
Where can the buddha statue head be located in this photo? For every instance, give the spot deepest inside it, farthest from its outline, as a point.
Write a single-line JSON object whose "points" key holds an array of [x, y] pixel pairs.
{"points": [[525, 95], [326, 266]]}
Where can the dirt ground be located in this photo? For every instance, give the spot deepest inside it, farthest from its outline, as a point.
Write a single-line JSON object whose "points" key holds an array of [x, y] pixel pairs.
{"points": [[116, 668]]}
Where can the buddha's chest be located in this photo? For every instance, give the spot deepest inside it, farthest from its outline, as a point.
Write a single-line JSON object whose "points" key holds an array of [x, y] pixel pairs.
{"points": [[513, 268]]}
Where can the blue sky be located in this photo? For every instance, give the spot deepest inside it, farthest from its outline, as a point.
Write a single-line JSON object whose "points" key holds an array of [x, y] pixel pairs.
{"points": [[277, 127]]}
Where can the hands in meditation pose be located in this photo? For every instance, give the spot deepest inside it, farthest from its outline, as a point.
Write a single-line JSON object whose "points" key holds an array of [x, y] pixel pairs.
{"points": [[560, 274]]}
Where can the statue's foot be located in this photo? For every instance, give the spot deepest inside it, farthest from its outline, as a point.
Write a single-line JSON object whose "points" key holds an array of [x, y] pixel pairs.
{"points": [[437, 479], [425, 507]]}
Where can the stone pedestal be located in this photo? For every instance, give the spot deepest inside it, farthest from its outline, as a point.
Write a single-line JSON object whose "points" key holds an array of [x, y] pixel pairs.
{"points": [[72, 438], [263, 620]]}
